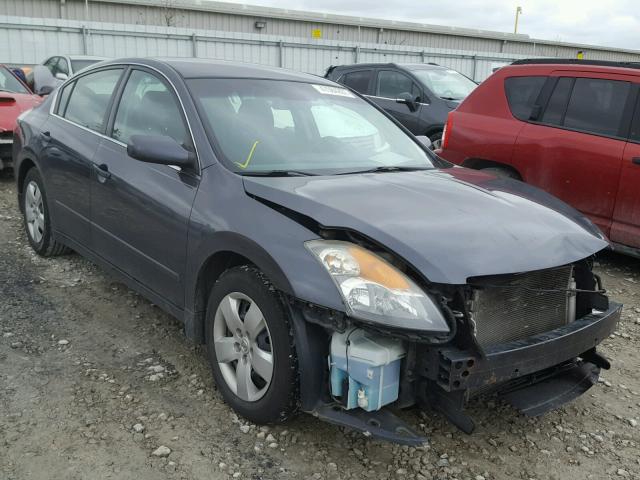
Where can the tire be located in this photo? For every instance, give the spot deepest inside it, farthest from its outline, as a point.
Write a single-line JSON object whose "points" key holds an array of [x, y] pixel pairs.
{"points": [[501, 172], [436, 140], [237, 352], [35, 213]]}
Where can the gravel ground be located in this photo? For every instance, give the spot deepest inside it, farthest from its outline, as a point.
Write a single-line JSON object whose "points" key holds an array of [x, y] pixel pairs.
{"points": [[96, 382]]}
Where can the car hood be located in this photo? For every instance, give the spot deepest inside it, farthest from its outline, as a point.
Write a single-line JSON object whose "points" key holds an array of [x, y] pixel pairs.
{"points": [[12, 105], [450, 224]]}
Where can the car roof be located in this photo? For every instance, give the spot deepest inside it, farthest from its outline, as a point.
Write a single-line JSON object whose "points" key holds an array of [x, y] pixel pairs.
{"points": [[191, 68], [408, 66], [82, 57], [576, 64]]}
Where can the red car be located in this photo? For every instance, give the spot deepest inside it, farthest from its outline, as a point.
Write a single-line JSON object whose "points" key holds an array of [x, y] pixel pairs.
{"points": [[15, 98], [570, 127]]}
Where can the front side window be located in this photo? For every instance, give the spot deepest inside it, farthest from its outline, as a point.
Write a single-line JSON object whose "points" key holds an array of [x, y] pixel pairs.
{"points": [[359, 80], [392, 84], [52, 65], [597, 105], [9, 83], [147, 107], [522, 93], [89, 101], [445, 83], [326, 130], [63, 66]]}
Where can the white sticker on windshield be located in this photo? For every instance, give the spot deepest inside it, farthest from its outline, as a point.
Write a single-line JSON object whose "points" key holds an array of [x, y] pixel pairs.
{"points": [[329, 90]]}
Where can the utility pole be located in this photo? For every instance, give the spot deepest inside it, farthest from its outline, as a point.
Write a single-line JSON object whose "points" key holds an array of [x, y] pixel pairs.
{"points": [[86, 10], [518, 13]]}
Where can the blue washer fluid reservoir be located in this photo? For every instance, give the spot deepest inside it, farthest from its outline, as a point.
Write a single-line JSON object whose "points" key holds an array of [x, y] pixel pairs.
{"points": [[367, 365]]}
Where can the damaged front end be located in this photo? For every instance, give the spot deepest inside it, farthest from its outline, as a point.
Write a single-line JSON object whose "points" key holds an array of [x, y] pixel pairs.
{"points": [[530, 338]]}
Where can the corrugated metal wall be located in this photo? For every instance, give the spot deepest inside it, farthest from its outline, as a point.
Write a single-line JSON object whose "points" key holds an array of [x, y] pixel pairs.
{"points": [[31, 40], [174, 13]]}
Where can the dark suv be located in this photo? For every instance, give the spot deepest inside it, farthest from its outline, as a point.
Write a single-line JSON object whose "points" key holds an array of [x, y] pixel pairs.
{"points": [[419, 96]]}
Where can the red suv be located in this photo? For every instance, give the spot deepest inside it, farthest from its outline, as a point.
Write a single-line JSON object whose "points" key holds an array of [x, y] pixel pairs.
{"points": [[570, 127]]}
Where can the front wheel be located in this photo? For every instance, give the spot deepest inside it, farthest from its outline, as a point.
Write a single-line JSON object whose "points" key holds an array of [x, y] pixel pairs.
{"points": [[250, 346], [436, 140]]}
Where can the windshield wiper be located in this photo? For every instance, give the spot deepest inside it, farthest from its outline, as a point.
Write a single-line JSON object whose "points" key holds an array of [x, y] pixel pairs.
{"points": [[451, 98], [387, 168], [277, 173]]}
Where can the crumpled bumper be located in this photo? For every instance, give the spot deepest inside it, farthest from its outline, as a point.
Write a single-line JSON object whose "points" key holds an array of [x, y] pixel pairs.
{"points": [[535, 375], [461, 370]]}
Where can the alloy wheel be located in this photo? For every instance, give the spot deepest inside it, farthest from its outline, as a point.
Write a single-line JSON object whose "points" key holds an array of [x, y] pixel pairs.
{"points": [[34, 211], [242, 344]]}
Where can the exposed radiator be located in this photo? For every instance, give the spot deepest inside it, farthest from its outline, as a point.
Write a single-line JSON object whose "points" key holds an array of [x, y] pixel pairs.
{"points": [[512, 307]]}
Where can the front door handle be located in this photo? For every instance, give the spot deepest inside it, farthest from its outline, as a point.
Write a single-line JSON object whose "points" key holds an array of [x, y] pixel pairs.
{"points": [[103, 172], [635, 160]]}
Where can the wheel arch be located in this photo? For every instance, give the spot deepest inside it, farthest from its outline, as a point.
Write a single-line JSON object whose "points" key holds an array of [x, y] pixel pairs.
{"points": [[434, 129], [26, 164], [480, 163], [227, 251]]}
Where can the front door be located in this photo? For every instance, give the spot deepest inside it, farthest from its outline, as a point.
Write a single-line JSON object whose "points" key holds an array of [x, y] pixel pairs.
{"points": [[390, 85], [626, 218], [574, 151], [140, 211]]}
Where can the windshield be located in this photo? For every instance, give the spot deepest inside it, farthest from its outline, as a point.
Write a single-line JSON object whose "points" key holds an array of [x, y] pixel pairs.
{"points": [[78, 65], [444, 83], [9, 83], [271, 126]]}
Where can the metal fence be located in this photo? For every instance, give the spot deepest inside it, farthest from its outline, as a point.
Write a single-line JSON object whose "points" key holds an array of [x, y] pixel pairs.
{"points": [[31, 40]]}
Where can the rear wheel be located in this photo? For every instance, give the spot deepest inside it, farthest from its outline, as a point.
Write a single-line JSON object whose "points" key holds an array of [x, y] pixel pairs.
{"points": [[37, 221], [501, 172], [250, 346]]}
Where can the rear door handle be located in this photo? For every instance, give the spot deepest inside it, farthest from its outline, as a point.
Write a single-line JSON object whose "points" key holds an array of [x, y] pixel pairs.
{"points": [[103, 172], [635, 160]]}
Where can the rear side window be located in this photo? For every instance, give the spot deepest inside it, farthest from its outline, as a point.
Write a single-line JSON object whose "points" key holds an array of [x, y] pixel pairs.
{"points": [[554, 113], [597, 105], [89, 101], [64, 98], [359, 80], [522, 93], [391, 84]]}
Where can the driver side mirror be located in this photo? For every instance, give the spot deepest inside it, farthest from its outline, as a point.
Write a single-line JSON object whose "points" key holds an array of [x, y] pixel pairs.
{"points": [[409, 100], [159, 149], [62, 76]]}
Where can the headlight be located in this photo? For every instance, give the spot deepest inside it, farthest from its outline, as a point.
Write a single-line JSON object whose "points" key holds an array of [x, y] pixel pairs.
{"points": [[376, 291]]}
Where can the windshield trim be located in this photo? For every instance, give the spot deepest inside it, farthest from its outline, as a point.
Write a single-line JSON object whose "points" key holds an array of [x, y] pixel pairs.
{"points": [[437, 161]]}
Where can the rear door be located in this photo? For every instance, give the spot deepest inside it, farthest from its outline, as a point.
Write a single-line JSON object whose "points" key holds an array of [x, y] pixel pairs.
{"points": [[573, 146], [140, 211], [390, 85], [71, 137], [626, 218]]}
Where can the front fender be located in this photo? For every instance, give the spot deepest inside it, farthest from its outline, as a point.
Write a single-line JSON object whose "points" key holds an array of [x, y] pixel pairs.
{"points": [[265, 237]]}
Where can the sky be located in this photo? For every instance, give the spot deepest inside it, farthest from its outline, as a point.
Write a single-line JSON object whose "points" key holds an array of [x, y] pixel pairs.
{"points": [[612, 23]]}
